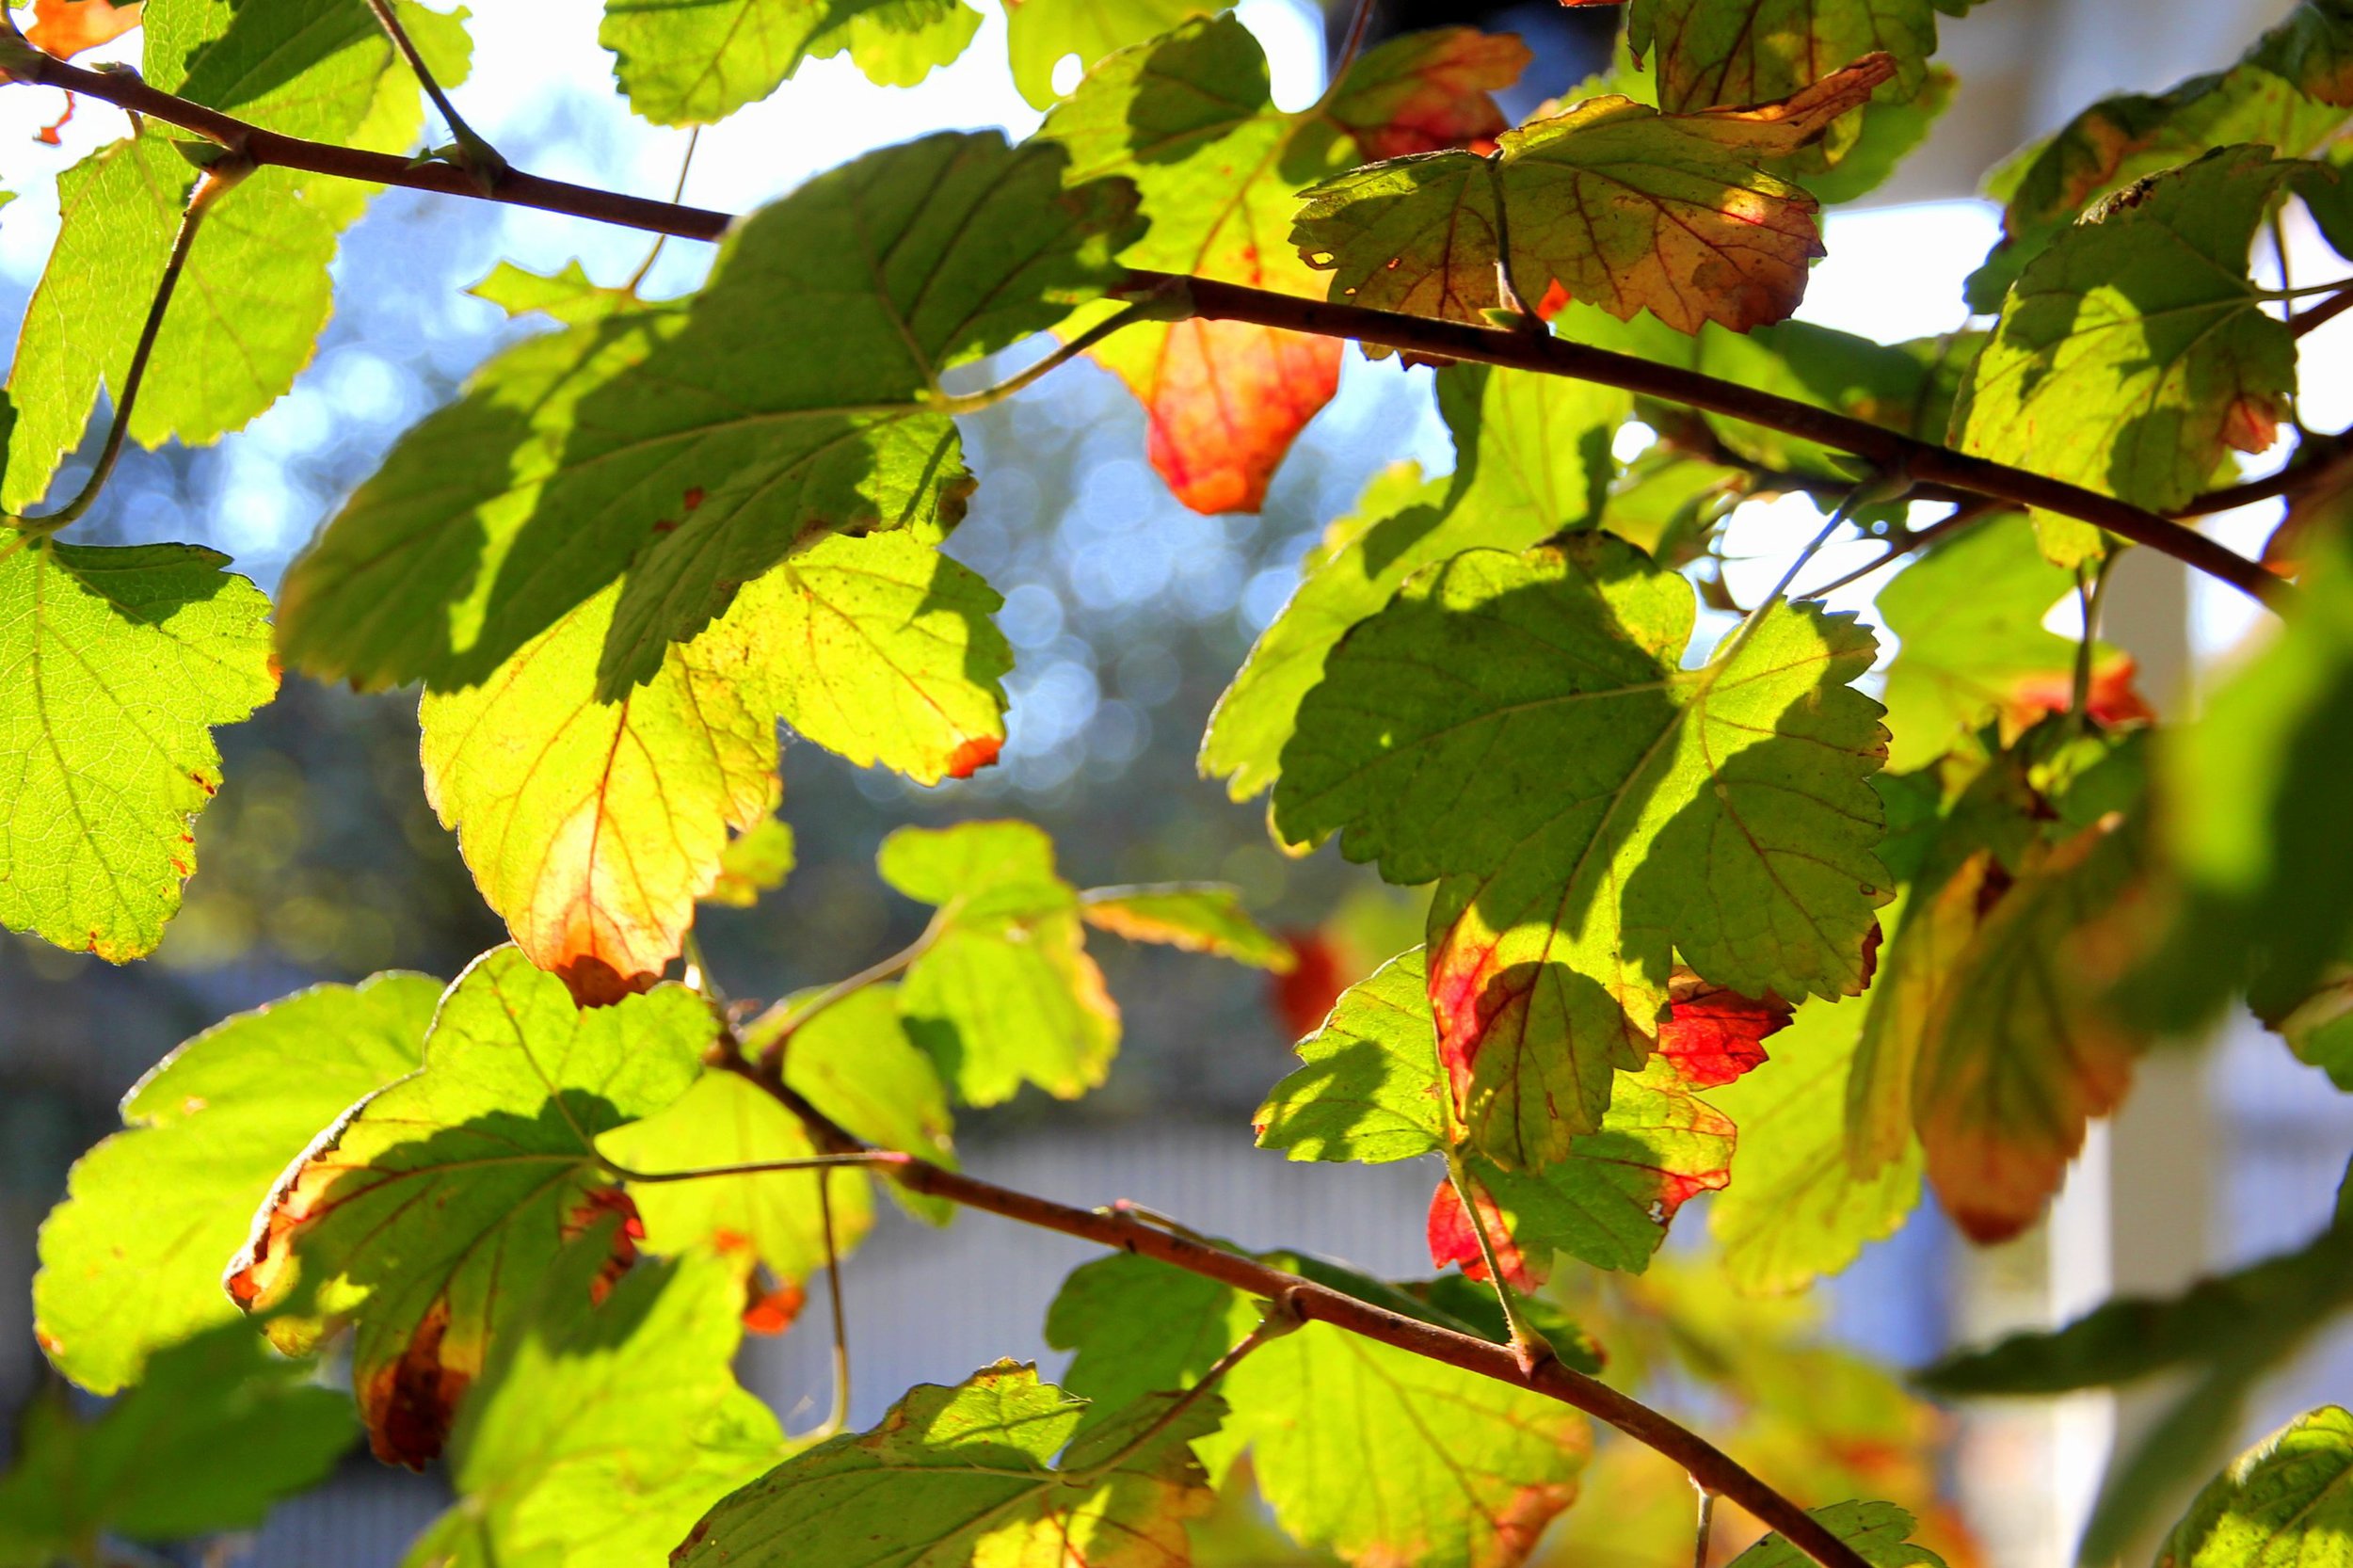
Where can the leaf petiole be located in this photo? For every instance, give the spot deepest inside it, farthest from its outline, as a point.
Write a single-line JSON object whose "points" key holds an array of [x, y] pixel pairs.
{"points": [[1528, 1345]]}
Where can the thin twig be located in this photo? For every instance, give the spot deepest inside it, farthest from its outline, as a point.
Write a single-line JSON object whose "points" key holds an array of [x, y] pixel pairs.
{"points": [[210, 186], [677, 193], [1708, 1466], [1918, 539], [839, 1418], [1359, 26], [2317, 462], [2090, 589], [476, 156], [1528, 1345], [1703, 1537], [768, 1033], [869, 1158], [1869, 491], [2322, 313], [1929, 464]]}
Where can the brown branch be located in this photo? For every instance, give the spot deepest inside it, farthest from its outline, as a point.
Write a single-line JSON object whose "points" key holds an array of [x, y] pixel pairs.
{"points": [[2320, 459], [1123, 1230], [2322, 313], [1924, 462]]}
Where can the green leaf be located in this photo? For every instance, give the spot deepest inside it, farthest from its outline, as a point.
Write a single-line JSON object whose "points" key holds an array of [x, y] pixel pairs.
{"points": [[1969, 618], [1041, 34], [1795, 1210], [1531, 458], [421, 1213], [1197, 916], [1908, 387], [117, 661], [756, 861], [775, 1218], [1879, 1531], [1369, 1088], [1369, 1451], [2134, 354], [132, 1259], [854, 1061], [1520, 725], [689, 455], [218, 1430], [2253, 828], [1691, 228], [570, 296], [963, 1474], [2287, 1499], [256, 291], [592, 828], [1191, 120], [693, 62], [602, 1431], [1005, 992], [2289, 91]]}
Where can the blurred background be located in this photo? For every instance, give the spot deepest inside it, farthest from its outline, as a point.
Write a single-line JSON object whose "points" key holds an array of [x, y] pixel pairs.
{"points": [[320, 859]]}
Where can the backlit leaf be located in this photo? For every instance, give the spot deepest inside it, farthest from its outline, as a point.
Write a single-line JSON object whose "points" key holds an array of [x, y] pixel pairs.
{"points": [[1006, 993], [570, 295], [1369, 1088], [1368, 1451], [1520, 727], [220, 1429], [1041, 34], [116, 663], [756, 861], [422, 1213], [2134, 354], [1192, 121], [966, 1474], [1694, 231], [603, 1429], [693, 62], [1197, 916], [1879, 1532], [66, 27], [2285, 1501], [688, 454], [132, 1259], [855, 1061], [1795, 1210]]}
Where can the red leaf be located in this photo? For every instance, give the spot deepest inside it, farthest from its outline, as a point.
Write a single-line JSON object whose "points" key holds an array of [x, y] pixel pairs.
{"points": [[1225, 399], [1714, 1034], [2114, 699], [66, 27], [1302, 998], [1452, 1239], [773, 1311], [1430, 91], [972, 754], [52, 135]]}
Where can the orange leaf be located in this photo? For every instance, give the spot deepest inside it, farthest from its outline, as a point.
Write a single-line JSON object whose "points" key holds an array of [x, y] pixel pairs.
{"points": [[1713, 1034], [66, 27], [1452, 1239]]}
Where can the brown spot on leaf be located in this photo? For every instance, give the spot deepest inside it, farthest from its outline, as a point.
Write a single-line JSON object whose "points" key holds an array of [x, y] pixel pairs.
{"points": [[408, 1403], [693, 496]]}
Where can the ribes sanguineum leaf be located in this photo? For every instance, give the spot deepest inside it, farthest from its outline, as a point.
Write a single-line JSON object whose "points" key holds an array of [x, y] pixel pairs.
{"points": [[1795, 1209], [756, 861], [605, 1424], [1197, 916], [1358, 1447], [1369, 1089], [218, 1428], [424, 1212], [116, 663], [1191, 120], [1610, 202], [855, 1061], [66, 27], [684, 455], [1519, 728], [967, 1474], [256, 291], [690, 62], [131, 1261], [2134, 355], [1041, 34], [1005, 992], [1531, 458], [1880, 1534], [2287, 1499]]}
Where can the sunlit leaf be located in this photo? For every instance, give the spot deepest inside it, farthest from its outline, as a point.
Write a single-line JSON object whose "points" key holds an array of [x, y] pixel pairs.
{"points": [[1197, 916], [2285, 1501], [693, 62], [1041, 34], [1880, 1534], [603, 1430], [66, 27], [423, 1213], [132, 1259], [1370, 1087], [686, 455], [1689, 227], [963, 1474], [115, 662], [1520, 727]]}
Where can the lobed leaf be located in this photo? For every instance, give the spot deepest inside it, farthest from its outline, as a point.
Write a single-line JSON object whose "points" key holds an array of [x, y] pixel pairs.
{"points": [[756, 861], [963, 1474], [692, 62], [420, 1214], [130, 1260], [2285, 1501], [1691, 228], [1879, 1532], [683, 454], [115, 662], [1041, 34], [1590, 807], [1197, 916]]}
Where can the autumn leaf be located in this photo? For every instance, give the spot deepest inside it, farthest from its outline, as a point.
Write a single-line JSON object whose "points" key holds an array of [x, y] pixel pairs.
{"points": [[66, 27], [1588, 804], [1190, 118], [1197, 916], [419, 1213], [1696, 232], [1712, 1033], [967, 1473]]}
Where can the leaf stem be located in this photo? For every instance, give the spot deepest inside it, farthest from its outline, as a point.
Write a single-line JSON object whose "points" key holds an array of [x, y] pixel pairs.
{"points": [[1528, 1345], [1954, 521], [1708, 1466], [2090, 588], [1930, 464], [871, 1158], [1862, 494], [1703, 1539], [1165, 305], [677, 193], [2322, 313], [223, 173], [767, 1034], [1281, 1318], [1359, 28], [478, 158], [839, 1419]]}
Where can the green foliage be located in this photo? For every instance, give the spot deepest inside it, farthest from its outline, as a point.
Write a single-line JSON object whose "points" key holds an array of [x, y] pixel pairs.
{"points": [[965, 1473], [695, 63], [122, 660], [1041, 34], [2284, 1500], [1880, 1531]]}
